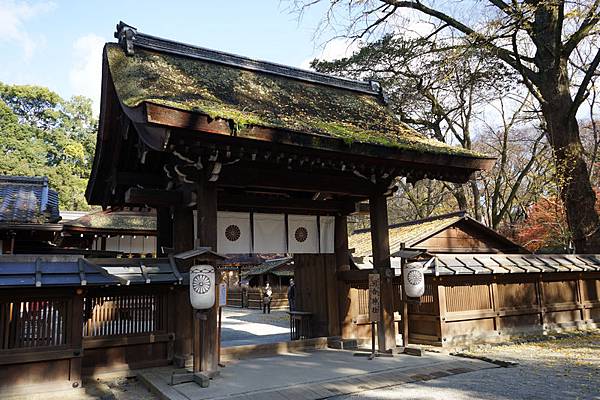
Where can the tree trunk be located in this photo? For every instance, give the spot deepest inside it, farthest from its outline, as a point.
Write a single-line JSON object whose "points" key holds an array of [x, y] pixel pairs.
{"points": [[572, 174]]}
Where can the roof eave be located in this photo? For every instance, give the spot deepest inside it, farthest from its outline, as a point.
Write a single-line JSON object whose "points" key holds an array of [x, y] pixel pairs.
{"points": [[452, 167]]}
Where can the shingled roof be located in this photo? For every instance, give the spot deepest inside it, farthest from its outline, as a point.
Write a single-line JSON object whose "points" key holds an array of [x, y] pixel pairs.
{"points": [[413, 232], [280, 267], [27, 200], [250, 93]]}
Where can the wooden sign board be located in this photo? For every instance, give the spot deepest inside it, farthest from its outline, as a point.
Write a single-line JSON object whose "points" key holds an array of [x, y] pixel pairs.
{"points": [[222, 294], [374, 297]]}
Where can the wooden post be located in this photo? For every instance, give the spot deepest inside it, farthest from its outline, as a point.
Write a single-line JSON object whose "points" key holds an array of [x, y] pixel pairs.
{"points": [[183, 239], [342, 263], [404, 302], [206, 357], [76, 336], [164, 230], [386, 331]]}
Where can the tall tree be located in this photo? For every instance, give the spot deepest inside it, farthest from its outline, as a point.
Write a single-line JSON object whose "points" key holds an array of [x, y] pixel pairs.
{"points": [[45, 135], [539, 39]]}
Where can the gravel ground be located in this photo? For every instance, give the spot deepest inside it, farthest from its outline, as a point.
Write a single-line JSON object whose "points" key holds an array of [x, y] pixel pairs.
{"points": [[559, 367]]}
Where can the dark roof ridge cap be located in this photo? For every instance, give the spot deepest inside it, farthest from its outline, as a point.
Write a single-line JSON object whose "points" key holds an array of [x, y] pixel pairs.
{"points": [[129, 38], [24, 179], [462, 213]]}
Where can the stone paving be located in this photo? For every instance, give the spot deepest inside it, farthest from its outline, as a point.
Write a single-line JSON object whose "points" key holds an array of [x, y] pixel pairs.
{"points": [[312, 375], [244, 326]]}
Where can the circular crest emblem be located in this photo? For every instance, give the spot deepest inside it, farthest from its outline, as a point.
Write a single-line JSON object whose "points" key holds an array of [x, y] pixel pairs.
{"points": [[201, 283], [233, 233], [301, 234], [414, 277]]}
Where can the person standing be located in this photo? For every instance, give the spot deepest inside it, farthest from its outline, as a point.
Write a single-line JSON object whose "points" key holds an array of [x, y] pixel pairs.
{"points": [[291, 295], [268, 292]]}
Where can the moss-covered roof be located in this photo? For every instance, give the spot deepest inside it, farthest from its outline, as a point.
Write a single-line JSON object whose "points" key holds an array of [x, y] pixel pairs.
{"points": [[252, 98], [408, 233], [117, 221]]}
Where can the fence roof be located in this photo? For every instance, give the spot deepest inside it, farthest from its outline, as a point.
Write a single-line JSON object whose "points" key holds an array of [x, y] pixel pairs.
{"points": [[54, 271], [472, 264]]}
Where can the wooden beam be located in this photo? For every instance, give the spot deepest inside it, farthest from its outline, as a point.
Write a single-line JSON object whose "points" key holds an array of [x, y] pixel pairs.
{"points": [[283, 179], [206, 357], [461, 166], [284, 204], [386, 329], [138, 178], [153, 197]]}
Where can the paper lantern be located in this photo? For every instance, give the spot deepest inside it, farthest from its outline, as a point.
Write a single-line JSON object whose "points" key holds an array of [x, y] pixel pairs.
{"points": [[414, 279], [202, 287]]}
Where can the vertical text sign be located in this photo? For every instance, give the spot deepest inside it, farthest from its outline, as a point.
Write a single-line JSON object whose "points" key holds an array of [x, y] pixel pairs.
{"points": [[222, 294], [374, 297]]}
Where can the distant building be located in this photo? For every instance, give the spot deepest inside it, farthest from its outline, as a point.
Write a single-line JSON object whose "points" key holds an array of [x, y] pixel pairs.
{"points": [[131, 232], [449, 233], [28, 214]]}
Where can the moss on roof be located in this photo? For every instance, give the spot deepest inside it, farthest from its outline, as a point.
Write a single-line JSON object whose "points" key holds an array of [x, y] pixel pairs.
{"points": [[138, 221], [248, 98], [408, 233]]}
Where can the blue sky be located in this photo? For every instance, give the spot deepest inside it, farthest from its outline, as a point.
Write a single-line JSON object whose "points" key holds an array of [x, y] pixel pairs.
{"points": [[58, 44]]}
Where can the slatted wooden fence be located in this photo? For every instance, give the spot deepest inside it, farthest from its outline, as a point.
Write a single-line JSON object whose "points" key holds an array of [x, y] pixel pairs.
{"points": [[33, 323], [471, 308], [123, 314]]}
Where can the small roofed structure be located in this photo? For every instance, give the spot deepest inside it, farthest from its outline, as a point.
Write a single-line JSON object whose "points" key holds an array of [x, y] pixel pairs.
{"points": [[276, 272], [129, 232], [455, 232], [28, 214]]}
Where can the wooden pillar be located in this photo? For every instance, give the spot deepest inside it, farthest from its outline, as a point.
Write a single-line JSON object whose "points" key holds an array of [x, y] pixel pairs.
{"points": [[342, 263], [386, 330], [164, 230], [183, 239], [206, 357], [76, 336]]}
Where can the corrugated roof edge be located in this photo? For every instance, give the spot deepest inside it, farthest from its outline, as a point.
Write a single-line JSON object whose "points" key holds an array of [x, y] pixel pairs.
{"points": [[129, 38]]}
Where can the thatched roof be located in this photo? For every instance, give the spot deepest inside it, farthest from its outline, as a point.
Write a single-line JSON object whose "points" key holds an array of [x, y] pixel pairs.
{"points": [[141, 222], [414, 232]]}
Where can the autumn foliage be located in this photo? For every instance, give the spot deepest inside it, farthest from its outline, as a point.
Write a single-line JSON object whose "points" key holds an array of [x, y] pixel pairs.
{"points": [[546, 225]]}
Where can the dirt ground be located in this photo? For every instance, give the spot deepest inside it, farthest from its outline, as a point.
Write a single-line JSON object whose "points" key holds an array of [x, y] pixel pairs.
{"points": [[565, 366]]}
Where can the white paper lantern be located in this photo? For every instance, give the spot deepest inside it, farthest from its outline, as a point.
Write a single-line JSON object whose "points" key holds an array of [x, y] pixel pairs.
{"points": [[202, 287], [414, 279]]}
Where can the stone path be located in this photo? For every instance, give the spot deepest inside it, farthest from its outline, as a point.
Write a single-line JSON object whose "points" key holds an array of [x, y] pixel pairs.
{"points": [[244, 326], [310, 376]]}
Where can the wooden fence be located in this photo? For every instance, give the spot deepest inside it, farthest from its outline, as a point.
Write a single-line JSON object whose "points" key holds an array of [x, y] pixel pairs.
{"points": [[40, 339], [252, 298], [51, 337], [470, 308]]}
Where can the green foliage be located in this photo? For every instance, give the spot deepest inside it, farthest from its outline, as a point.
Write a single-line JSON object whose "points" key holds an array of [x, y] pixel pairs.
{"points": [[45, 135]]}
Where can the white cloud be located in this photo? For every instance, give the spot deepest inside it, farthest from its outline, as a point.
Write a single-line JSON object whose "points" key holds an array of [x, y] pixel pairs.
{"points": [[13, 18], [86, 73], [333, 50]]}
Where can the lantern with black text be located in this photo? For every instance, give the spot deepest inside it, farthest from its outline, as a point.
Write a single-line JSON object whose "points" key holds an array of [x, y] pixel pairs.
{"points": [[414, 279], [202, 287]]}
